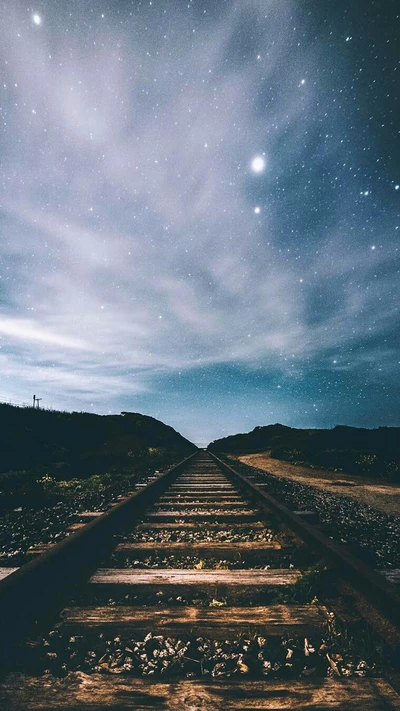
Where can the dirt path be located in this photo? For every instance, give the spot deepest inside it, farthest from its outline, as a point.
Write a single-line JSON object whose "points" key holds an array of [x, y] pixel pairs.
{"points": [[384, 497]]}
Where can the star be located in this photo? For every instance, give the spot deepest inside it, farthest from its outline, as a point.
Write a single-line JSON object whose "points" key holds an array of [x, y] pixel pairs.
{"points": [[258, 164], [126, 147]]}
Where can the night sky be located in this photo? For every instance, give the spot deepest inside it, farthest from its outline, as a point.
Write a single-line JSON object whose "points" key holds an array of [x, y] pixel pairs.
{"points": [[199, 210]]}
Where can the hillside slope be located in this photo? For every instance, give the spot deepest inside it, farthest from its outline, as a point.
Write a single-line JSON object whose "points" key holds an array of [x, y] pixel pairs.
{"points": [[78, 444], [259, 439], [356, 450]]}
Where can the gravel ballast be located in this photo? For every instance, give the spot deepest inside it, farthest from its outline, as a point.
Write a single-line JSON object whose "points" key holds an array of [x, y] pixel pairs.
{"points": [[373, 535]]}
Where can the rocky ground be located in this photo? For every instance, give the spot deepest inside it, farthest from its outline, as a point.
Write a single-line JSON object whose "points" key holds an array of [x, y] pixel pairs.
{"points": [[195, 562], [331, 653], [254, 656], [211, 511], [373, 492], [229, 535], [24, 527], [372, 534]]}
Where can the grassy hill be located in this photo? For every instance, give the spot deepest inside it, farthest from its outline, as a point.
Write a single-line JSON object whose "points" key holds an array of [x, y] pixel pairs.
{"points": [[358, 451], [64, 446]]}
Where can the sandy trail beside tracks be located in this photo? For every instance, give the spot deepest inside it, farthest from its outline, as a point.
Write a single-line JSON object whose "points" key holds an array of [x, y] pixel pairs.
{"points": [[381, 496]]}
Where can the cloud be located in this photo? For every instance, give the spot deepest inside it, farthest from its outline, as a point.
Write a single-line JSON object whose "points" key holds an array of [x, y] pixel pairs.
{"points": [[28, 331], [128, 203]]}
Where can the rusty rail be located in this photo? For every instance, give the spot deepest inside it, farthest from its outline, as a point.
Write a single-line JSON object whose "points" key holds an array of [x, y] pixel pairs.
{"points": [[370, 584], [36, 589]]}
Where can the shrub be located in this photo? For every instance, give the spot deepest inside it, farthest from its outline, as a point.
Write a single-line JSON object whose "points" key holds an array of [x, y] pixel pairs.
{"points": [[19, 483], [368, 463], [392, 471]]}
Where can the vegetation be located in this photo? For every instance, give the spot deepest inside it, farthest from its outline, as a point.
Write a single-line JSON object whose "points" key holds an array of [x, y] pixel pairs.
{"points": [[48, 453], [374, 453]]}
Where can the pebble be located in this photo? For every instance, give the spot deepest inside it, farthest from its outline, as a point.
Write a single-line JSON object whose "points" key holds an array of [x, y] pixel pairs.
{"points": [[253, 656], [373, 535]]}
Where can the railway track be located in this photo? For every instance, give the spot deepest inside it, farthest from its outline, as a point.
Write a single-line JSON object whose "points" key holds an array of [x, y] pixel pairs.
{"points": [[184, 596]]}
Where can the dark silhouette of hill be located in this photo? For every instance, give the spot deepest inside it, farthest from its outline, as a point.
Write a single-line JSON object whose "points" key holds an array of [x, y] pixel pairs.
{"points": [[258, 440], [78, 443], [375, 452]]}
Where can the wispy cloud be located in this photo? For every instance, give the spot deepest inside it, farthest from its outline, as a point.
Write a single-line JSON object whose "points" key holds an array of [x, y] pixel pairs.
{"points": [[27, 330], [128, 200]]}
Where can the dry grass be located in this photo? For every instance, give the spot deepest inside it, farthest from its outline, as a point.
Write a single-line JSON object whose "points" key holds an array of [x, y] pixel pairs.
{"points": [[383, 497]]}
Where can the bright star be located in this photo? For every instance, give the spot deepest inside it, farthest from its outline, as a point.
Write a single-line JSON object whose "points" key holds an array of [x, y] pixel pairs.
{"points": [[303, 81], [396, 187], [258, 164], [37, 19], [257, 210]]}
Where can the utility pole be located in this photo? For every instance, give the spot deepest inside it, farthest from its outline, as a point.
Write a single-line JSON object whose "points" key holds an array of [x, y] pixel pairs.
{"points": [[34, 398], [38, 399]]}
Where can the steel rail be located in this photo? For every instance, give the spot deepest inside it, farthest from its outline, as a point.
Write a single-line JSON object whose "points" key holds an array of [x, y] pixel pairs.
{"points": [[371, 585], [39, 588]]}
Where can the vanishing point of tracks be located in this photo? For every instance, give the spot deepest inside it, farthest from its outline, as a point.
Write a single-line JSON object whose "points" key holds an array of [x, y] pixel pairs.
{"points": [[110, 589]]}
